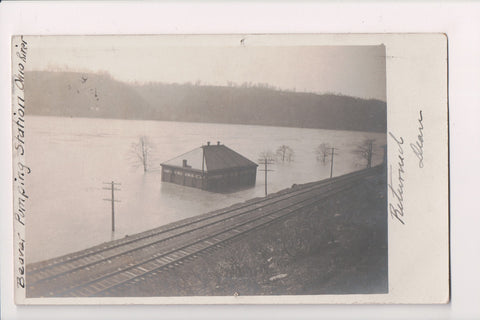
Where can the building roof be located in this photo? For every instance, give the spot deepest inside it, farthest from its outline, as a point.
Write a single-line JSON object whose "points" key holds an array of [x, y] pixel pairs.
{"points": [[217, 157]]}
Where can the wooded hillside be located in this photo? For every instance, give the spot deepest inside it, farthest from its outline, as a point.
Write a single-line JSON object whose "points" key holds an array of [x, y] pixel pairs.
{"points": [[99, 95]]}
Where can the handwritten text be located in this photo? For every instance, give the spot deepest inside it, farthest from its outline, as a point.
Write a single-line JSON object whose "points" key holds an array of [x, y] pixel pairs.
{"points": [[396, 209], [417, 147]]}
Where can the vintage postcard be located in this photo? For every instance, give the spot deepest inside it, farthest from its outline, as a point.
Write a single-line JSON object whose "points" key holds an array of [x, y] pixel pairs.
{"points": [[230, 169]]}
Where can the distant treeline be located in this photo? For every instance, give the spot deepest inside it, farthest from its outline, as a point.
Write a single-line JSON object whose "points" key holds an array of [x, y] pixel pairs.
{"points": [[98, 95]]}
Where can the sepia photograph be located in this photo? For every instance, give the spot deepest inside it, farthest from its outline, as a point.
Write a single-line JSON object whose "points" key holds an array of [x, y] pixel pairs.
{"points": [[204, 160], [163, 167]]}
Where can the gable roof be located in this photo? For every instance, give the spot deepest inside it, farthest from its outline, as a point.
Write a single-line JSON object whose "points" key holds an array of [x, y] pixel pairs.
{"points": [[217, 157]]}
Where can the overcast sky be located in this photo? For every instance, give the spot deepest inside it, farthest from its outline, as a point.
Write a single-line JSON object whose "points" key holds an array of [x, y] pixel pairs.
{"points": [[350, 70]]}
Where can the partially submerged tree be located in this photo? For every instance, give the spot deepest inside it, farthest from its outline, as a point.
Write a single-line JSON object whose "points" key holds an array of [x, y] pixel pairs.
{"points": [[141, 152], [323, 152], [266, 155], [285, 153], [365, 151]]}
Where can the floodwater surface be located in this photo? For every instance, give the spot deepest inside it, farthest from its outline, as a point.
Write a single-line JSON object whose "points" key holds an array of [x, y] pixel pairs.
{"points": [[72, 158]]}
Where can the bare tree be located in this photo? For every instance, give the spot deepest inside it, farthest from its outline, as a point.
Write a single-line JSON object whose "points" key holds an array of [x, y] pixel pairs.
{"points": [[141, 152], [266, 155], [285, 153], [365, 151], [323, 152]]}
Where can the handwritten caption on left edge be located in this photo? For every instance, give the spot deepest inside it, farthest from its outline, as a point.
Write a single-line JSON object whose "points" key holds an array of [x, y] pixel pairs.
{"points": [[20, 169]]}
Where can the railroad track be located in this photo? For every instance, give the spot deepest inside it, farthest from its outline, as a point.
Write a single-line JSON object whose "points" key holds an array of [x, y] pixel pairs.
{"points": [[106, 269]]}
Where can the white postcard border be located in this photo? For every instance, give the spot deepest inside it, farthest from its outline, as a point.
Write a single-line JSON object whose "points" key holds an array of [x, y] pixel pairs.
{"points": [[416, 96]]}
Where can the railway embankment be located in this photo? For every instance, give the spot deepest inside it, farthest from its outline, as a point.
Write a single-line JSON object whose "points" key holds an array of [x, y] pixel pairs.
{"points": [[326, 237], [336, 247]]}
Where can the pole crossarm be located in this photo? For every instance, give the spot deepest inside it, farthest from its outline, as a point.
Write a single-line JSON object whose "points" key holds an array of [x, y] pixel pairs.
{"points": [[268, 162], [266, 170]]}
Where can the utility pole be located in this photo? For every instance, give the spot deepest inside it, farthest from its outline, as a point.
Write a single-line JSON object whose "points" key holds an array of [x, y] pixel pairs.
{"points": [[265, 161], [112, 187], [331, 161], [369, 153]]}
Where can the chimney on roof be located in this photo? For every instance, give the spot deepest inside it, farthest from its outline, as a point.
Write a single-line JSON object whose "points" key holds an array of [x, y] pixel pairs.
{"points": [[208, 143], [184, 163], [218, 143]]}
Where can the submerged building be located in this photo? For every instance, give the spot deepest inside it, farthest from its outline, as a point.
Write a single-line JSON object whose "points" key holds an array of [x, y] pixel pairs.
{"points": [[210, 167]]}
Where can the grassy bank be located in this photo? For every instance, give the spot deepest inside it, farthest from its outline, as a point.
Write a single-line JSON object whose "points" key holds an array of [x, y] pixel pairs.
{"points": [[337, 247]]}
